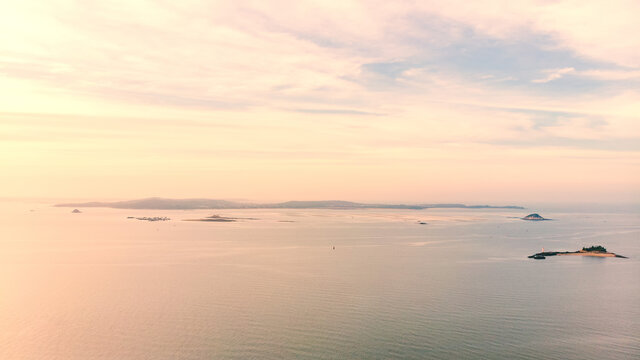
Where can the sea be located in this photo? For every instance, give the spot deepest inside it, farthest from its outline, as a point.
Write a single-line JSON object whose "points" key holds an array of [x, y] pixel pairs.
{"points": [[316, 284]]}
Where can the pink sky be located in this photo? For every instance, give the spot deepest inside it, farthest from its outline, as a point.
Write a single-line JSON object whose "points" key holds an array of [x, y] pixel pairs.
{"points": [[481, 101]]}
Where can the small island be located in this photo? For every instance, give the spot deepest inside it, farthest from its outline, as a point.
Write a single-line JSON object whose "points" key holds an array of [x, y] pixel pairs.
{"points": [[155, 218], [534, 217], [220, 218], [214, 218], [597, 251], [75, 211]]}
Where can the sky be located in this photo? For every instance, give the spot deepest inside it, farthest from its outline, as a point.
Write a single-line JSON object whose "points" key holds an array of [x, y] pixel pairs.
{"points": [[393, 101]]}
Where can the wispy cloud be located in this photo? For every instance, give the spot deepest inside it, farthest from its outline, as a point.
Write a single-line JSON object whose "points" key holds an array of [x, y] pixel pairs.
{"points": [[209, 85], [554, 74]]}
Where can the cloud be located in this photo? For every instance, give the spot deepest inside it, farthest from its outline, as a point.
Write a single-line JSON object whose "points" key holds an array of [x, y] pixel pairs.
{"points": [[244, 87], [220, 55], [591, 28], [554, 74]]}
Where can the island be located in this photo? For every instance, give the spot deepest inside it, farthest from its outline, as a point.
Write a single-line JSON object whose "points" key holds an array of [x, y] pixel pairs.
{"points": [[220, 218], [155, 218], [188, 204], [534, 217], [597, 251], [214, 218], [75, 211]]}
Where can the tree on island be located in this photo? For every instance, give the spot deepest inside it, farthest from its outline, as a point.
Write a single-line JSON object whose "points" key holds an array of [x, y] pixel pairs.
{"points": [[598, 248]]}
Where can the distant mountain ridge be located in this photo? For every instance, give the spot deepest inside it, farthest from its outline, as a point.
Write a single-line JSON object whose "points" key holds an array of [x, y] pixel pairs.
{"points": [[189, 204]]}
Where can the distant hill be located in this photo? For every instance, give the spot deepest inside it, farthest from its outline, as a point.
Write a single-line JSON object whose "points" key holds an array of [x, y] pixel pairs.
{"points": [[314, 204], [184, 204], [160, 203]]}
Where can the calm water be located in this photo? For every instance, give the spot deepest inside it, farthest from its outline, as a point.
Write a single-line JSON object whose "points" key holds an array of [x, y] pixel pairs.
{"points": [[99, 286]]}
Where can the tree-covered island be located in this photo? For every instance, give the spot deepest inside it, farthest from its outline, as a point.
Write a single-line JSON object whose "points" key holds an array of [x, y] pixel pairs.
{"points": [[596, 250]]}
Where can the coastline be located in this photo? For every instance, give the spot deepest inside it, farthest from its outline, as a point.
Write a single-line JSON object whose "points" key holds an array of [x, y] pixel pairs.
{"points": [[544, 254], [591, 254]]}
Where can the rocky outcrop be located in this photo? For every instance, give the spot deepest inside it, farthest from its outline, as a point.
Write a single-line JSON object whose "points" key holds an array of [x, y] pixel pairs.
{"points": [[534, 217], [596, 251]]}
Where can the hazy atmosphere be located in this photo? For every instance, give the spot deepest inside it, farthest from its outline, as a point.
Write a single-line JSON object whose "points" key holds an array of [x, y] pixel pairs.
{"points": [[355, 100], [319, 180]]}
